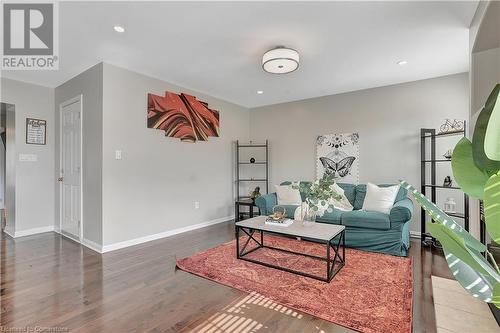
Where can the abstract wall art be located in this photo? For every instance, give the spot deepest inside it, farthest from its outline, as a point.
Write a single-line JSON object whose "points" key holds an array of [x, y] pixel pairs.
{"points": [[182, 116], [338, 154]]}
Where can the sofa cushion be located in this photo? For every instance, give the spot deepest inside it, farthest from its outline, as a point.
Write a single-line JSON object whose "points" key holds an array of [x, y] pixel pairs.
{"points": [[290, 210], [368, 220], [361, 193], [349, 191], [334, 217]]}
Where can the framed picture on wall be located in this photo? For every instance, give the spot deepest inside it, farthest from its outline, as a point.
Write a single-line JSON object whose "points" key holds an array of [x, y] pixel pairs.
{"points": [[36, 131]]}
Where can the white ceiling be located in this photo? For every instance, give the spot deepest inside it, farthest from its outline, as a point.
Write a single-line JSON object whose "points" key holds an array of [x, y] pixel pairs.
{"points": [[216, 48]]}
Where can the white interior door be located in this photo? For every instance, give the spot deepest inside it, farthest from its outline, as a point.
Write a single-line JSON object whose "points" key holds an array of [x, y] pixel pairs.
{"points": [[70, 172]]}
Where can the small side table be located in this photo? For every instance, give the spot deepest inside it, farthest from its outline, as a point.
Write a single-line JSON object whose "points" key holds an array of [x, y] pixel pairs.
{"points": [[243, 202]]}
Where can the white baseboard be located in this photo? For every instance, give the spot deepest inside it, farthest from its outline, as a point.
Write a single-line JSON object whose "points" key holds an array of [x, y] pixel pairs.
{"points": [[168, 233], [415, 234], [92, 245], [8, 232], [34, 231]]}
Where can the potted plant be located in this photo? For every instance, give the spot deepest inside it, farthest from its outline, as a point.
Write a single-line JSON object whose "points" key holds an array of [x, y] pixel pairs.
{"points": [[318, 197], [476, 168]]}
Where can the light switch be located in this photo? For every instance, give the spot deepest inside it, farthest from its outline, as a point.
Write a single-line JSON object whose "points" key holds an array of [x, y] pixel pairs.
{"points": [[118, 154]]}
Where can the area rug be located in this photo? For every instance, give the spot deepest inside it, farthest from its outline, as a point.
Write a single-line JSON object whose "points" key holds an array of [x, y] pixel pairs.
{"points": [[372, 293]]}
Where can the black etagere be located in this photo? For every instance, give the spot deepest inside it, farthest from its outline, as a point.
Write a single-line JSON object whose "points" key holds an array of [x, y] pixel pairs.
{"points": [[263, 164], [426, 135]]}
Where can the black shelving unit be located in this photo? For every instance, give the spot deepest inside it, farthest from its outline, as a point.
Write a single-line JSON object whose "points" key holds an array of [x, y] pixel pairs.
{"points": [[245, 200], [426, 135], [262, 164]]}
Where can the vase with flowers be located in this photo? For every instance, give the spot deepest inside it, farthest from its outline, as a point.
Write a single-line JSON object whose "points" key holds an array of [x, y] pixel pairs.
{"points": [[318, 198]]}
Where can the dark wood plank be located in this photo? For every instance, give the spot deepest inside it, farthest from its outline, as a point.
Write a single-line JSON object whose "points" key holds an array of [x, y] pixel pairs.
{"points": [[51, 281]]}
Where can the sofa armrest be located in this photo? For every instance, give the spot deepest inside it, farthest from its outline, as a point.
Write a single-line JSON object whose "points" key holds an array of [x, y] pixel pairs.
{"points": [[401, 212], [266, 203]]}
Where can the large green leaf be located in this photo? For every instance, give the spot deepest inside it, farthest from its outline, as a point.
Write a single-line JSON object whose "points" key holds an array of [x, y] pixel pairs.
{"points": [[492, 136], [496, 295], [470, 178], [492, 207], [476, 284], [454, 245], [441, 217], [478, 140]]}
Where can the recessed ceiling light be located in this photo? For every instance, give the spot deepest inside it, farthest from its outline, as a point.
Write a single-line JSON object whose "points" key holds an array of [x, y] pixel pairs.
{"points": [[260, 92], [119, 28], [402, 62]]}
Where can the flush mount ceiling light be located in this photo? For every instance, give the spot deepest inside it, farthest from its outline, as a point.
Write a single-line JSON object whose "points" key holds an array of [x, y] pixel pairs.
{"points": [[260, 92], [402, 62], [119, 28], [280, 60]]}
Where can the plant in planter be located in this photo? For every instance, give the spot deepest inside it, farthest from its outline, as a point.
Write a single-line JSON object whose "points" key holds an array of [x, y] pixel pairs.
{"points": [[476, 168], [318, 196]]}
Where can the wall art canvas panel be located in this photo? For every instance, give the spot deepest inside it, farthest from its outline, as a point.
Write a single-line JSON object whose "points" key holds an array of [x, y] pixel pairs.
{"points": [[338, 154], [182, 116]]}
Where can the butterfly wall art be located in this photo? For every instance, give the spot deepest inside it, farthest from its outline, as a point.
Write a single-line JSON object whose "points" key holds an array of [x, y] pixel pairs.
{"points": [[338, 154]]}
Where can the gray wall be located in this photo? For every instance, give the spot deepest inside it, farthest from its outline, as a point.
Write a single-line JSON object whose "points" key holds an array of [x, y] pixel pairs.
{"points": [[89, 84], [154, 187], [388, 120], [34, 181]]}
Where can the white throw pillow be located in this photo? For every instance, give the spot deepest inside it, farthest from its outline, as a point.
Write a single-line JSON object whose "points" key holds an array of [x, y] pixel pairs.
{"points": [[288, 195], [380, 199], [343, 203]]}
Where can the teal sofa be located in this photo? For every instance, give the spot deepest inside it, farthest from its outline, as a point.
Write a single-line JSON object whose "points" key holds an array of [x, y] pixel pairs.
{"points": [[365, 230]]}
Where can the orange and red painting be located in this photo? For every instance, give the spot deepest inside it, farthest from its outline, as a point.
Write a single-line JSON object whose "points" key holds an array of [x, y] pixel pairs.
{"points": [[182, 116]]}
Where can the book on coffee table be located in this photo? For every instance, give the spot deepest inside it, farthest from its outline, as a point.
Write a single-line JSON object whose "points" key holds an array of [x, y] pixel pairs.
{"points": [[284, 222]]}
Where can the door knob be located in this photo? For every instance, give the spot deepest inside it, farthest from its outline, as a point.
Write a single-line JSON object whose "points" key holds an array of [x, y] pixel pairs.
{"points": [[60, 179]]}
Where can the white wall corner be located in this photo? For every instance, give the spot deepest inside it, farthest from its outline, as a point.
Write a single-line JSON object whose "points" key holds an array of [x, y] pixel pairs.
{"points": [[92, 245], [168, 233]]}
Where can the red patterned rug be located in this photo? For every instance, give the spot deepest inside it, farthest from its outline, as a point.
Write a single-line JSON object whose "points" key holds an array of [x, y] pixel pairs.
{"points": [[372, 293]]}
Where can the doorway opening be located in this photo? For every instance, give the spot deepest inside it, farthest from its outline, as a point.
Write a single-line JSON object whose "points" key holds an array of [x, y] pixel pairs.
{"points": [[7, 167]]}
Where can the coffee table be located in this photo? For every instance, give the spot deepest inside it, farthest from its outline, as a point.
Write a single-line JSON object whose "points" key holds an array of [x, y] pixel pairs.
{"points": [[331, 235]]}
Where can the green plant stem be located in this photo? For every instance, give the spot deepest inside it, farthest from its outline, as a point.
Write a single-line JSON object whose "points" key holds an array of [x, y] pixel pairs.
{"points": [[492, 259]]}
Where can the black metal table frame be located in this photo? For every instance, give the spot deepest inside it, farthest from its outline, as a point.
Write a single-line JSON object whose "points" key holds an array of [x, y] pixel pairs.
{"points": [[333, 266]]}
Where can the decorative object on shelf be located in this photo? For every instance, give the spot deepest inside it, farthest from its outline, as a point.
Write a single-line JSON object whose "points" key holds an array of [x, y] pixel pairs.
{"points": [[182, 116], [338, 154], [447, 155], [319, 195], [256, 172], [36, 131], [252, 160], [452, 126], [447, 182], [476, 168], [450, 205], [280, 60], [255, 193]]}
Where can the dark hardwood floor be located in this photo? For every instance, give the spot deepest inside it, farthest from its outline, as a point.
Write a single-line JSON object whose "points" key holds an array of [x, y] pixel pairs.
{"points": [[50, 281]]}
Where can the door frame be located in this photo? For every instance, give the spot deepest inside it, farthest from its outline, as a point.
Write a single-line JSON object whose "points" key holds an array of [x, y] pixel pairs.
{"points": [[76, 99]]}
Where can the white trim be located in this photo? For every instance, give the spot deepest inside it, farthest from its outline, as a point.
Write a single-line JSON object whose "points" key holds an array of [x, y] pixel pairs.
{"points": [[414, 234], [168, 233], [32, 231], [8, 233], [76, 99], [91, 245]]}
